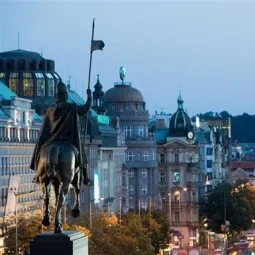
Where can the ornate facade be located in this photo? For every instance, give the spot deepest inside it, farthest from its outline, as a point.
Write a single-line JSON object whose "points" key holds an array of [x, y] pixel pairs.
{"points": [[178, 157], [125, 104]]}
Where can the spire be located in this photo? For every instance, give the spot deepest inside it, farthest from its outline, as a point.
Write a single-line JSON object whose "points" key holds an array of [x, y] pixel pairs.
{"points": [[180, 101], [98, 94]]}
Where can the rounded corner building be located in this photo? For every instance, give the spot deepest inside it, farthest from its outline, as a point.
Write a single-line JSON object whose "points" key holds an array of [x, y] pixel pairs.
{"points": [[126, 104], [29, 75]]}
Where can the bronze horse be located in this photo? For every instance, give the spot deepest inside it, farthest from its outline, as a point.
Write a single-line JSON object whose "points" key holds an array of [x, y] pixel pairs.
{"points": [[56, 166]]}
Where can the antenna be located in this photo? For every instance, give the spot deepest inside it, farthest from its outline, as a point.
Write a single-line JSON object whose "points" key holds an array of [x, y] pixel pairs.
{"points": [[18, 40]]}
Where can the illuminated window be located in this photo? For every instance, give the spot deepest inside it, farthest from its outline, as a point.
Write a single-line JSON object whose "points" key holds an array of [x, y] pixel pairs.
{"points": [[27, 85], [14, 82], [51, 85], [40, 84], [2, 76]]}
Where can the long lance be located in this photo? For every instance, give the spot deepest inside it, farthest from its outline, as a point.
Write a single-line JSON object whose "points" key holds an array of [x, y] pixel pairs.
{"points": [[90, 64]]}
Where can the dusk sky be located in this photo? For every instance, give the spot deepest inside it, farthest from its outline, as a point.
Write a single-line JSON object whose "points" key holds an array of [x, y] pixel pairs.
{"points": [[205, 48]]}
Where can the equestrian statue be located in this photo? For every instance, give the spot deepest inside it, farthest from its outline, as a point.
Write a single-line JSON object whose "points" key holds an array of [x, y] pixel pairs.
{"points": [[59, 157]]}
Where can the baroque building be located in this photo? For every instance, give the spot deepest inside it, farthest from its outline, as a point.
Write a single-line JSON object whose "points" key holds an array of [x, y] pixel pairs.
{"points": [[178, 158], [125, 105]]}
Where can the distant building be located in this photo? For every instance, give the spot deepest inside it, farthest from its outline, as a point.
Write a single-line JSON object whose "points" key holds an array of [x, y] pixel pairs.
{"points": [[124, 104], [19, 128], [30, 76], [178, 157]]}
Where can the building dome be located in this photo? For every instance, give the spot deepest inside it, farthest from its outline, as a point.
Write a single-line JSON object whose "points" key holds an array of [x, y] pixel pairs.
{"points": [[180, 122], [20, 54], [123, 92]]}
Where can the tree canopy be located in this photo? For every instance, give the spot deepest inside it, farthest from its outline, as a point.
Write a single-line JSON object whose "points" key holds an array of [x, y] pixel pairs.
{"points": [[237, 202]]}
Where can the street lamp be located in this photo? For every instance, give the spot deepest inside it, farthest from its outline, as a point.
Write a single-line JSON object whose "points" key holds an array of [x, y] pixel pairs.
{"points": [[170, 208], [90, 211], [120, 198]]}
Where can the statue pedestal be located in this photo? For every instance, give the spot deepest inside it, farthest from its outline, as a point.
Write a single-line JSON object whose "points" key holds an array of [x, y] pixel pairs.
{"points": [[68, 243]]}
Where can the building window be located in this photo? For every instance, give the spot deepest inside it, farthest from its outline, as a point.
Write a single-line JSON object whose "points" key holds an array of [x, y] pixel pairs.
{"points": [[127, 106], [209, 163], [162, 158], [144, 173], [143, 205], [176, 158], [144, 189], [128, 131], [131, 203], [27, 85], [130, 156], [131, 173], [209, 176], [139, 107], [51, 85], [131, 190], [40, 84], [209, 188], [209, 151], [113, 107], [145, 156], [176, 177], [14, 82], [162, 177], [140, 131], [177, 217], [2, 76]]}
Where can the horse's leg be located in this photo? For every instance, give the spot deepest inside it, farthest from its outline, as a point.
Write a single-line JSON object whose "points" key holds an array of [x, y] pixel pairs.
{"points": [[77, 188], [56, 191], [61, 200], [46, 190]]}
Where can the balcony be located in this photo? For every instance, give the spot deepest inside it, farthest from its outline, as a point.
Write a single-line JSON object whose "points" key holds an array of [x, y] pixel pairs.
{"points": [[191, 185]]}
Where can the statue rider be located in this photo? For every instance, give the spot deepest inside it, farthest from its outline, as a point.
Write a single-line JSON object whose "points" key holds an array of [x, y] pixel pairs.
{"points": [[61, 125]]}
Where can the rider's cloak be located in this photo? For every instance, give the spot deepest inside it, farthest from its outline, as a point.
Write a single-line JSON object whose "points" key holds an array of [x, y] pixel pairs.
{"points": [[61, 124]]}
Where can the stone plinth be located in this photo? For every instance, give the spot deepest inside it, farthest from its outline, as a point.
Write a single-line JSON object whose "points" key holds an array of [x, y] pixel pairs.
{"points": [[68, 243]]}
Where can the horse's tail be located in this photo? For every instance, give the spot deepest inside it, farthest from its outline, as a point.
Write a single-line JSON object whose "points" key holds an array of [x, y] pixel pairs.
{"points": [[53, 162]]}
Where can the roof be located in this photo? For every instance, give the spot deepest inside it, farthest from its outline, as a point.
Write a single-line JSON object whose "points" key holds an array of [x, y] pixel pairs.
{"points": [[2, 114], [5, 92], [75, 97], [242, 164], [20, 54], [36, 117], [123, 93]]}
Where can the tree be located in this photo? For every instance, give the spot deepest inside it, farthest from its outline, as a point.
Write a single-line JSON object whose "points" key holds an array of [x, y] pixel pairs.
{"points": [[237, 201], [110, 238], [28, 227]]}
